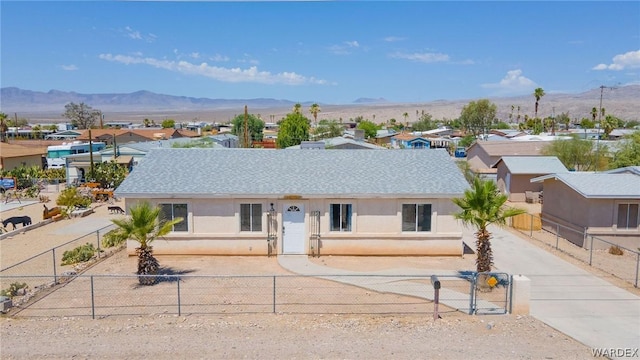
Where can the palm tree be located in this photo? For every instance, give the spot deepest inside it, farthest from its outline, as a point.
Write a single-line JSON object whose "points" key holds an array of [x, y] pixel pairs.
{"points": [[538, 93], [4, 127], [314, 109], [481, 206], [144, 226], [297, 108], [594, 113]]}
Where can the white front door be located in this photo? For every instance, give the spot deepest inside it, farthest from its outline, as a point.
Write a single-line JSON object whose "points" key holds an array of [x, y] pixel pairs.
{"points": [[293, 229]]}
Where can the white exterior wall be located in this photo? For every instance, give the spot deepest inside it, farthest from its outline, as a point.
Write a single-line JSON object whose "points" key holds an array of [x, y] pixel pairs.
{"points": [[214, 228]]}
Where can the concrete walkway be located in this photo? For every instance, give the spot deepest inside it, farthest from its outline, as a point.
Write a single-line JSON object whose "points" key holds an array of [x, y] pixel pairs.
{"points": [[397, 281], [564, 296], [568, 298]]}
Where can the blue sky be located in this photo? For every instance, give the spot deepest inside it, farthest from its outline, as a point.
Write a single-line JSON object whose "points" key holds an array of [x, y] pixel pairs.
{"points": [[325, 52]]}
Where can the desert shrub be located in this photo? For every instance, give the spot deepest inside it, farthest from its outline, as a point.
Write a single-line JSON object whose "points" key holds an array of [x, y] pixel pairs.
{"points": [[80, 254], [615, 250], [13, 289], [71, 198], [113, 238]]}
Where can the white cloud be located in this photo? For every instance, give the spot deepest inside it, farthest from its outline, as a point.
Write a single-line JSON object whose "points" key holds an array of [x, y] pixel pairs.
{"points": [[344, 48], [512, 83], [137, 35], [422, 57], [393, 39], [234, 75], [69, 67], [219, 58], [629, 60], [195, 55]]}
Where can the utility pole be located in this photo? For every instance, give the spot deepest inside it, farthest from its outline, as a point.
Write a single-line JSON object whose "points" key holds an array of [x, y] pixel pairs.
{"points": [[602, 87], [246, 128], [91, 174]]}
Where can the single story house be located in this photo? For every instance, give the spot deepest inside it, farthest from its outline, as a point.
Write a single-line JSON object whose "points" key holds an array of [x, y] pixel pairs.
{"points": [[482, 155], [514, 174], [604, 205], [124, 136], [260, 202], [339, 142], [15, 156], [129, 155], [410, 141]]}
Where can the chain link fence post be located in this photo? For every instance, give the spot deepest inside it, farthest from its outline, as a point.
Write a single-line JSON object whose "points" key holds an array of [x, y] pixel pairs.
{"points": [[98, 241], [637, 265], [274, 294], [55, 276], [179, 304], [591, 251], [93, 302]]}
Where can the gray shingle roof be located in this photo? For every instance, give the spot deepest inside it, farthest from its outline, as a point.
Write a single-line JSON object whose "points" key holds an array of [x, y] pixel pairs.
{"points": [[599, 185], [185, 173], [532, 164]]}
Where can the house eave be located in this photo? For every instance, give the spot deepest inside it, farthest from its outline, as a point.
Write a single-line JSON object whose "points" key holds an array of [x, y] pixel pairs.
{"points": [[282, 196]]}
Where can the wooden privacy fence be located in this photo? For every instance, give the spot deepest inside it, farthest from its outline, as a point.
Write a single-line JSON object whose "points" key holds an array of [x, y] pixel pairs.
{"points": [[526, 222]]}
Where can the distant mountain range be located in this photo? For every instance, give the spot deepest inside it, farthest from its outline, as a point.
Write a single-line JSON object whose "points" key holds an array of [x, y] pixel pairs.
{"points": [[623, 102]]}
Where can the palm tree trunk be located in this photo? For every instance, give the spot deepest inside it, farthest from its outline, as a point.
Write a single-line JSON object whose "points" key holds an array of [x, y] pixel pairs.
{"points": [[147, 265], [483, 248]]}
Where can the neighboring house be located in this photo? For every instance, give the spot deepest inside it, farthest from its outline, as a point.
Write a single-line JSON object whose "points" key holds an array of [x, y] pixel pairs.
{"points": [[349, 202], [14, 156], [618, 134], [481, 155], [600, 204], [338, 142], [514, 174], [130, 154], [125, 136], [625, 170], [383, 137], [226, 140], [64, 135], [409, 141]]}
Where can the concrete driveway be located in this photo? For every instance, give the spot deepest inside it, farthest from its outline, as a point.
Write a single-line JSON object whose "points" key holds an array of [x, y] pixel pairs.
{"points": [[568, 298]]}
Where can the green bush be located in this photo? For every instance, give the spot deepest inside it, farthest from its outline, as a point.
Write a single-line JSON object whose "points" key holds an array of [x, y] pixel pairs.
{"points": [[80, 254], [113, 238], [13, 289], [71, 198]]}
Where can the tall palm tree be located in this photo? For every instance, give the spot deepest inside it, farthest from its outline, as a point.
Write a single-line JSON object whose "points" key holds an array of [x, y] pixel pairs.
{"points": [[144, 226], [314, 109], [594, 113], [538, 93], [481, 206], [297, 108], [4, 127]]}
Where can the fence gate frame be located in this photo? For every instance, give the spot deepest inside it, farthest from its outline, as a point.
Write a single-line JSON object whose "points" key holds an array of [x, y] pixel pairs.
{"points": [[502, 282], [314, 237], [272, 231]]}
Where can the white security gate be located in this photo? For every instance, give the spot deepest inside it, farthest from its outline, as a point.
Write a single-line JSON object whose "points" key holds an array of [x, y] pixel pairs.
{"points": [[293, 238]]}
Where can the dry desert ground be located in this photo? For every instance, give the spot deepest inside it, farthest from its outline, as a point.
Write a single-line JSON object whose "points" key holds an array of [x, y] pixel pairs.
{"points": [[263, 335]]}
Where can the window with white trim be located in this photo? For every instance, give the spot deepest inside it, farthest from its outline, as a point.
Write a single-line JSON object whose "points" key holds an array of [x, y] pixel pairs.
{"points": [[250, 217], [340, 215], [416, 217], [174, 211], [628, 216]]}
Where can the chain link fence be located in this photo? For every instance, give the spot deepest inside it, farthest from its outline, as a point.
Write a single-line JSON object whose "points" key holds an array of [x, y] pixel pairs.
{"points": [[99, 296], [46, 267], [590, 249]]}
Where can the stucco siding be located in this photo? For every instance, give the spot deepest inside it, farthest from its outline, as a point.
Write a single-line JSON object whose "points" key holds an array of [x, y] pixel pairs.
{"points": [[27, 161], [214, 228]]}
